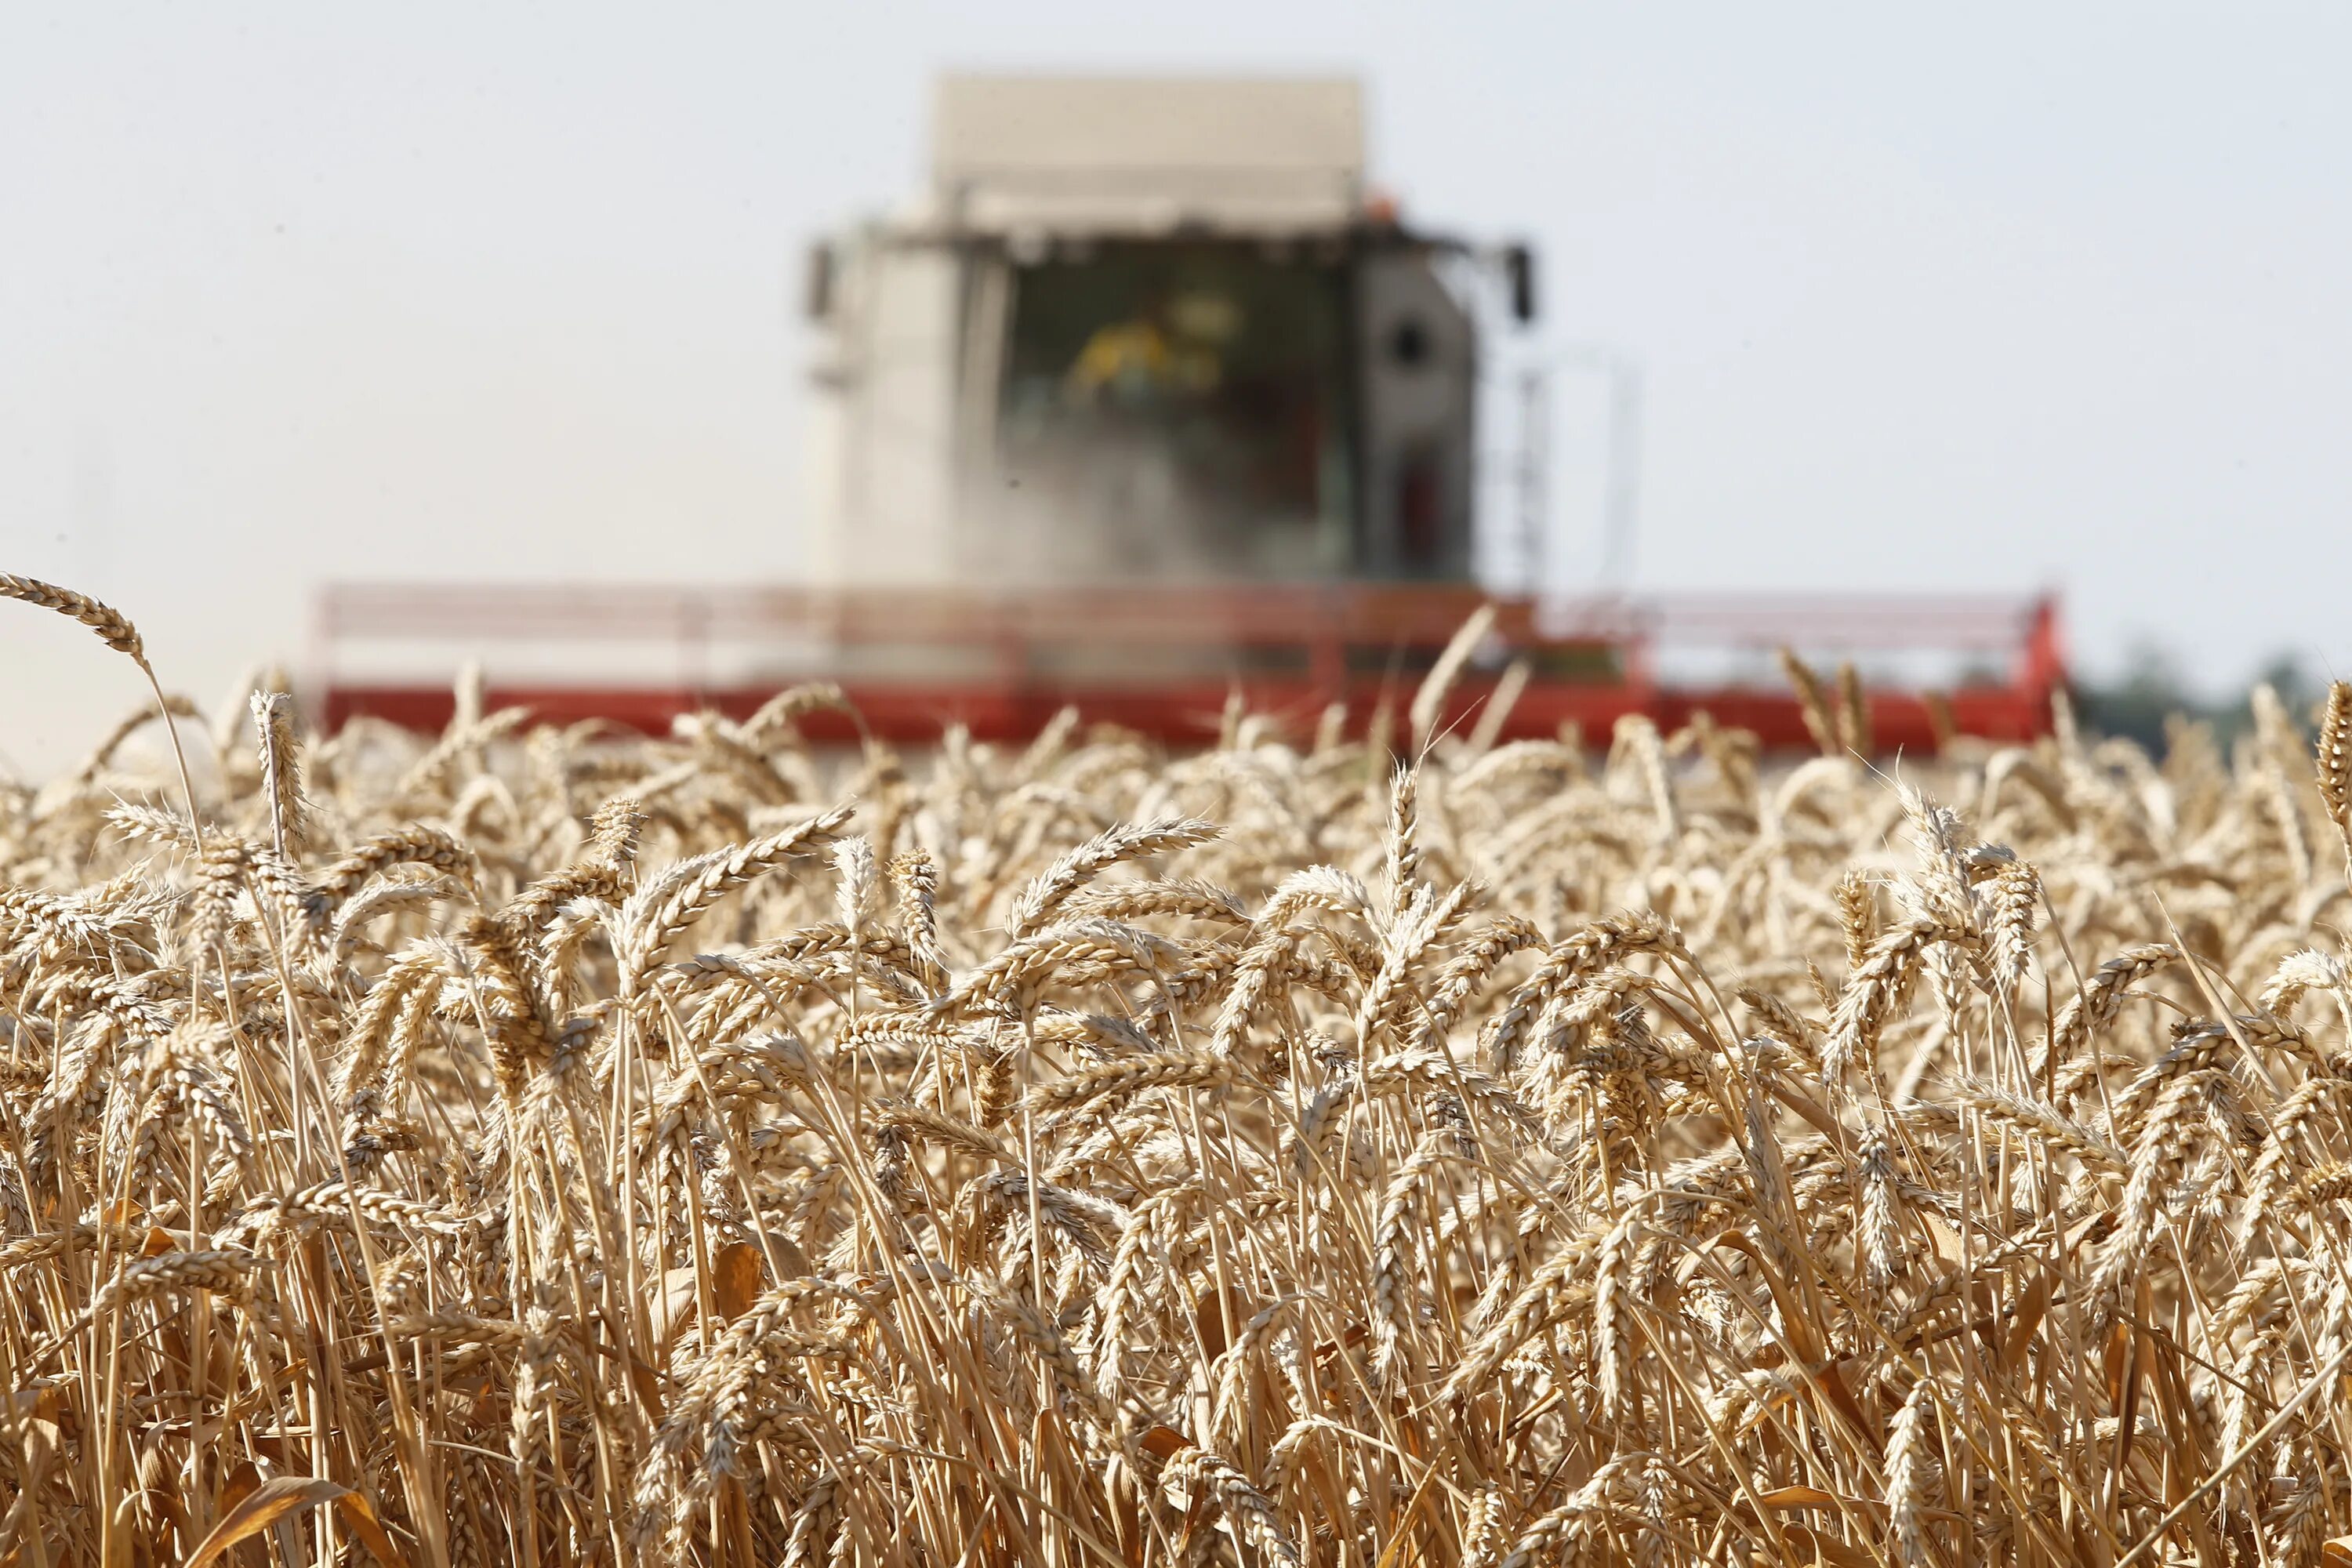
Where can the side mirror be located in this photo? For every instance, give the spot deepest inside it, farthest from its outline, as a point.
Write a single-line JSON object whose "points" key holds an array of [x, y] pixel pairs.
{"points": [[1520, 270], [817, 282]]}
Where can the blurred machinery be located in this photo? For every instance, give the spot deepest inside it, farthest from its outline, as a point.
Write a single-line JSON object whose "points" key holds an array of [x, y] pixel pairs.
{"points": [[1151, 399]]}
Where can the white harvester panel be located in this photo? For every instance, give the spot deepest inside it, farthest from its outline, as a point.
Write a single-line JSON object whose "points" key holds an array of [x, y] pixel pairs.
{"points": [[1419, 356], [883, 437], [1143, 329]]}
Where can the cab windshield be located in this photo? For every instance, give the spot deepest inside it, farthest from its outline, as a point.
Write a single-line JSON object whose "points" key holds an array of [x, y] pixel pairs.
{"points": [[1178, 410]]}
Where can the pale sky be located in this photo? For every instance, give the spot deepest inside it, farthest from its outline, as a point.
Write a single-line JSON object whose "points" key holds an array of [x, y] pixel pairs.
{"points": [[1989, 297]]}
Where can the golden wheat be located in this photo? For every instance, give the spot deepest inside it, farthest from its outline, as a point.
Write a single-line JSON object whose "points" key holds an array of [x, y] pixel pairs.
{"points": [[521, 1145]]}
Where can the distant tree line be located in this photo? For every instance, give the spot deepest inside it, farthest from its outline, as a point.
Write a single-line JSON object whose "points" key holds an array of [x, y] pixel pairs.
{"points": [[2151, 687]]}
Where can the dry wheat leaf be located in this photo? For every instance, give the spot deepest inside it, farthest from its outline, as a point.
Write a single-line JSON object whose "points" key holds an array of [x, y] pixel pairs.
{"points": [[280, 1498], [737, 1273], [272, 1500], [361, 1515]]}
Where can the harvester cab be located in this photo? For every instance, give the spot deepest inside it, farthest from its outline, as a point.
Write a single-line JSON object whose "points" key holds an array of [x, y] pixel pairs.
{"points": [[1149, 329]]}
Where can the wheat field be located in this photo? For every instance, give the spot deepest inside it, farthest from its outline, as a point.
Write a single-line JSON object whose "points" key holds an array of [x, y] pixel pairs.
{"points": [[523, 1146]]}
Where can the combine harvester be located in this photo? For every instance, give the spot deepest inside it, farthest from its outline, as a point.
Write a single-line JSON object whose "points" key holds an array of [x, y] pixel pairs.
{"points": [[1152, 402]]}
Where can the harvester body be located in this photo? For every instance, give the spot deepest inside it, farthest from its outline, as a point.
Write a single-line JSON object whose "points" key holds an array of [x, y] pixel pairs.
{"points": [[1150, 404]]}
